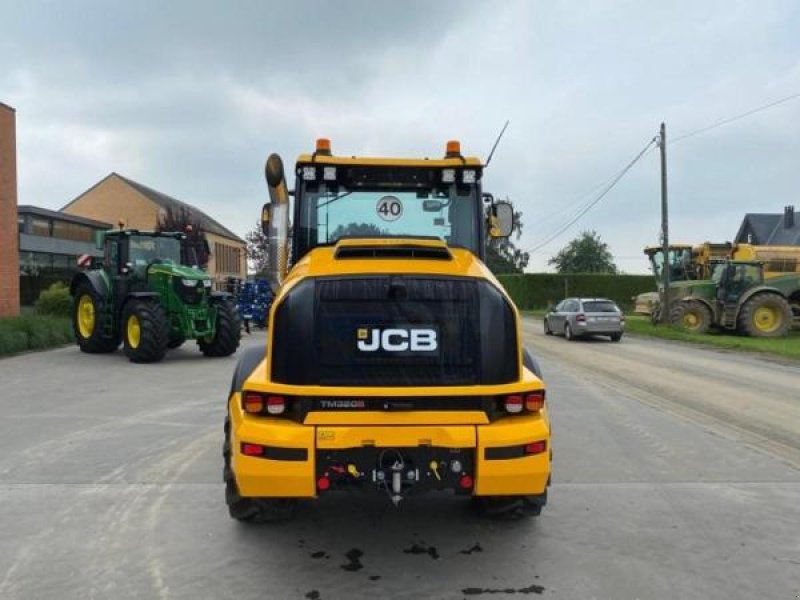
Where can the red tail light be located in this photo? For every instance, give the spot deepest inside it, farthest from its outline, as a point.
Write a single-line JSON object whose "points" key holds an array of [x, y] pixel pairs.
{"points": [[253, 403], [534, 401], [252, 449], [581, 318], [276, 405], [622, 318], [465, 482], [323, 483], [513, 404], [536, 447]]}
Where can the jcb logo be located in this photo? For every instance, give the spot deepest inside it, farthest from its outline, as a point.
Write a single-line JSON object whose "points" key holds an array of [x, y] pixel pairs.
{"points": [[405, 339]]}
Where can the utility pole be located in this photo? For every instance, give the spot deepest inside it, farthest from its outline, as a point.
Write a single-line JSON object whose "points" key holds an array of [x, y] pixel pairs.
{"points": [[662, 144]]}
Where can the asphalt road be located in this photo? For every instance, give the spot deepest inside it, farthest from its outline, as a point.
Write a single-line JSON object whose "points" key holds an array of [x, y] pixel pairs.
{"points": [[675, 476]]}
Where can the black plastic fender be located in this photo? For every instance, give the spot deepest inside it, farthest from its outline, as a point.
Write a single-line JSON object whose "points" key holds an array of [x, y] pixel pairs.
{"points": [[531, 363], [94, 279], [248, 361]]}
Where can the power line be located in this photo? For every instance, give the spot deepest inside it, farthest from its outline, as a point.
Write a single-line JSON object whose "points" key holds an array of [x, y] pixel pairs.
{"points": [[732, 119], [594, 202]]}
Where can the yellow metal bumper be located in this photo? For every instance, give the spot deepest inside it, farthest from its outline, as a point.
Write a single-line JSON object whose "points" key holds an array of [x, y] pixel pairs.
{"points": [[263, 477]]}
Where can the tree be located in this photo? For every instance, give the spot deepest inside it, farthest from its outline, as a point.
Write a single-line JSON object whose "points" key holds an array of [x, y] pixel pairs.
{"points": [[257, 245], [181, 219], [502, 256], [587, 253], [357, 230]]}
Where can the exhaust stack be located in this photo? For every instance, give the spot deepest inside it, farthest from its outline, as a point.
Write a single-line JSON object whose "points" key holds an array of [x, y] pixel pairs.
{"points": [[275, 222]]}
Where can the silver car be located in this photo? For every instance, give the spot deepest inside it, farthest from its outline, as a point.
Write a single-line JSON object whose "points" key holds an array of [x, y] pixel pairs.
{"points": [[579, 317]]}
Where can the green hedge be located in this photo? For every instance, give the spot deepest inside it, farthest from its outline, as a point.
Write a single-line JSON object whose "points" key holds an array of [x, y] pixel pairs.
{"points": [[538, 290], [55, 300], [33, 332]]}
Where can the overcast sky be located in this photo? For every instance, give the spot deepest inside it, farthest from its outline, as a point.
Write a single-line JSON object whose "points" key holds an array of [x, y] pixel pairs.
{"points": [[190, 97]]}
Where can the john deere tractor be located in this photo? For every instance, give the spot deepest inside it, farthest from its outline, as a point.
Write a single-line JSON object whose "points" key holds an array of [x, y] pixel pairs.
{"points": [[147, 296], [737, 297]]}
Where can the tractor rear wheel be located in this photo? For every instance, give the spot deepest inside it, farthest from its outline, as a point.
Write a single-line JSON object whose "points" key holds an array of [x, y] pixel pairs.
{"points": [[175, 341], [250, 510], [227, 332], [692, 316], [510, 507], [86, 322], [766, 315], [145, 331]]}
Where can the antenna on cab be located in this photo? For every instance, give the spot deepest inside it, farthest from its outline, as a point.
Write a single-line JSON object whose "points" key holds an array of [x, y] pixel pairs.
{"points": [[497, 141]]}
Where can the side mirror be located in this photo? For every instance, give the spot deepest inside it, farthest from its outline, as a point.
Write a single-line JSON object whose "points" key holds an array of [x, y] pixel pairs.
{"points": [[266, 217], [501, 222]]}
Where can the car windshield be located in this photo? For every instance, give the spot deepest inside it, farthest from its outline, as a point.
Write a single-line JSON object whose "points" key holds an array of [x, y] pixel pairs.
{"points": [[146, 249], [601, 306], [328, 213]]}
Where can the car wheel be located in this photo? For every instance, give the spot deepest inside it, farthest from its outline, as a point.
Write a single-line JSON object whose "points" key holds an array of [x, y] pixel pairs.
{"points": [[568, 333], [615, 337], [547, 330]]}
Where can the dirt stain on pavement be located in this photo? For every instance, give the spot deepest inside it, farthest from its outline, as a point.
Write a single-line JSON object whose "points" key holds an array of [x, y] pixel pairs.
{"points": [[476, 548], [531, 589], [423, 549], [354, 556]]}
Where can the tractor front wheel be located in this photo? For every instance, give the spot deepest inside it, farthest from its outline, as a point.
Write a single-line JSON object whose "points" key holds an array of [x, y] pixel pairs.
{"points": [[692, 316], [766, 315], [145, 331], [227, 332], [87, 314]]}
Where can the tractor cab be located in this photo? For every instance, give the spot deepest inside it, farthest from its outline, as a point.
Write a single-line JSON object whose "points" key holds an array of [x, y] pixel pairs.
{"points": [[130, 251], [734, 278], [679, 262]]}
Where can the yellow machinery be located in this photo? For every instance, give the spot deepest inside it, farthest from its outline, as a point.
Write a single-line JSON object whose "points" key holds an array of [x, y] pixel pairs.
{"points": [[394, 361], [690, 263]]}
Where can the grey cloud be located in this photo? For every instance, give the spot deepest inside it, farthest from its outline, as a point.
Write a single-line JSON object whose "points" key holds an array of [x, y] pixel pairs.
{"points": [[189, 97]]}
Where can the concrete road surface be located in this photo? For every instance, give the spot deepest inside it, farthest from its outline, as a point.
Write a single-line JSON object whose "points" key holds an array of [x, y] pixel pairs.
{"points": [[675, 476]]}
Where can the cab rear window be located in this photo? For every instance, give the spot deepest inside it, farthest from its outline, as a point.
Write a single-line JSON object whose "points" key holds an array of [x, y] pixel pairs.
{"points": [[600, 306]]}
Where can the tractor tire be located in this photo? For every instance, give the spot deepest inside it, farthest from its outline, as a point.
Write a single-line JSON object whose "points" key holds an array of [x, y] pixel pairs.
{"points": [[510, 507], [86, 311], [145, 331], [766, 315], [175, 341], [692, 316], [547, 330], [251, 510], [227, 332]]}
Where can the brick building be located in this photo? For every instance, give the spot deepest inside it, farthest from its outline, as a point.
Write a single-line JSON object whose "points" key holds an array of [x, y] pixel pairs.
{"points": [[117, 198], [9, 251]]}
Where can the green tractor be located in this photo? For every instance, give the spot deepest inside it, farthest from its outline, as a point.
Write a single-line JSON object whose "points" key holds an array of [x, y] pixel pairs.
{"points": [[148, 297], [737, 298]]}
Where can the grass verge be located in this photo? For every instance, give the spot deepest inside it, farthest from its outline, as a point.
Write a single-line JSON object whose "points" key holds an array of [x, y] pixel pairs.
{"points": [[788, 347], [33, 332]]}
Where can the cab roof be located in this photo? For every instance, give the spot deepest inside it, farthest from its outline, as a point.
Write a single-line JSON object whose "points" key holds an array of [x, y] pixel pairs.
{"points": [[369, 161]]}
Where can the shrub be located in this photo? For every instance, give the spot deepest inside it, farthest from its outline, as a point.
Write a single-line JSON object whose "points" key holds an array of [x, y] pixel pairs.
{"points": [[33, 332], [55, 300]]}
